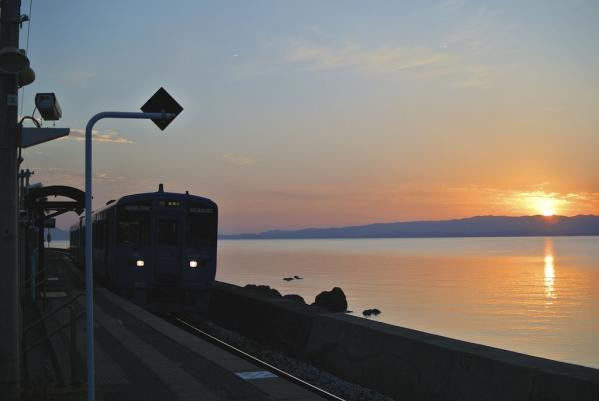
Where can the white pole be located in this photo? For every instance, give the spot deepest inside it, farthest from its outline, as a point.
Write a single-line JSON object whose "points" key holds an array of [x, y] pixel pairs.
{"points": [[89, 275]]}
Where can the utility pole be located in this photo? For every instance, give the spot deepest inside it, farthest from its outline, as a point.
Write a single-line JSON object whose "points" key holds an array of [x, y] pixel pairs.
{"points": [[10, 308]]}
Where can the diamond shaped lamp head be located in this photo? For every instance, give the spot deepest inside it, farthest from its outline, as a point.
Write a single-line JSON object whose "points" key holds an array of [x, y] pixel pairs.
{"points": [[162, 102]]}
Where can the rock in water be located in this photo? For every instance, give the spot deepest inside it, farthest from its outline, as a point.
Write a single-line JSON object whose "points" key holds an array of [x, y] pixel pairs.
{"points": [[295, 298], [333, 300], [263, 290], [370, 312]]}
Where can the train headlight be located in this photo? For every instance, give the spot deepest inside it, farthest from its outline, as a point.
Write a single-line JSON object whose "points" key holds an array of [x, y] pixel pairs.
{"points": [[139, 263], [193, 264]]}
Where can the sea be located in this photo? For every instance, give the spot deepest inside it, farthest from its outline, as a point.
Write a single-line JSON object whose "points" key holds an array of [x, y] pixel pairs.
{"points": [[534, 295]]}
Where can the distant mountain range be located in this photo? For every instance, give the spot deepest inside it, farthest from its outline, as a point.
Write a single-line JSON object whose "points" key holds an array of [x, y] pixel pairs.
{"points": [[479, 226]]}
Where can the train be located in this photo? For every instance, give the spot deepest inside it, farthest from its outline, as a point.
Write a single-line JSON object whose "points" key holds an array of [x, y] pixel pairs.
{"points": [[157, 249]]}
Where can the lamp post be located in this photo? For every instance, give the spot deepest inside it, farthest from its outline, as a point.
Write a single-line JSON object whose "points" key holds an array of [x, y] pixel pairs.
{"points": [[13, 63], [161, 117]]}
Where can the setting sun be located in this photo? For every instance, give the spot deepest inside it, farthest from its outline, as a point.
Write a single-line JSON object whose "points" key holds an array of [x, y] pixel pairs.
{"points": [[546, 206], [543, 203]]}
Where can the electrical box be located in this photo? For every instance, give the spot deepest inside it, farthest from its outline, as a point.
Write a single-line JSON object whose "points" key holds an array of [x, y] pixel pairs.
{"points": [[48, 106]]}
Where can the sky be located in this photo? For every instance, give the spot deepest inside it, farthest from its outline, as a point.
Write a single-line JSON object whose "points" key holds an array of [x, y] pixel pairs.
{"points": [[327, 113]]}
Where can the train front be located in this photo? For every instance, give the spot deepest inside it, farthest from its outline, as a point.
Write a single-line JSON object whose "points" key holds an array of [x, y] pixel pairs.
{"points": [[174, 268]]}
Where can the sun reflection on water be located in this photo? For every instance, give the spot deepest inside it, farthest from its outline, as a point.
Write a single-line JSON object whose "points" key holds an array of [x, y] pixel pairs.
{"points": [[549, 276]]}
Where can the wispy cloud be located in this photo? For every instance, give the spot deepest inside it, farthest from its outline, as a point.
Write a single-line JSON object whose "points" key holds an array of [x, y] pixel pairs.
{"points": [[242, 160], [452, 4], [448, 200], [538, 201], [383, 59], [109, 177], [72, 177], [108, 185], [78, 134], [477, 77], [417, 63], [78, 77], [342, 204]]}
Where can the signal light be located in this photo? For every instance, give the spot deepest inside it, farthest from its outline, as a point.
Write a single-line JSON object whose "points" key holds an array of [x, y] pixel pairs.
{"points": [[139, 263], [193, 264]]}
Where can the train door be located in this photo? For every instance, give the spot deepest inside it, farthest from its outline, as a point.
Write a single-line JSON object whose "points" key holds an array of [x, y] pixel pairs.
{"points": [[169, 236]]}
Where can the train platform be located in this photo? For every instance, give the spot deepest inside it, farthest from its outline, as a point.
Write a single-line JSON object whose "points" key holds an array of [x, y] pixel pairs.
{"points": [[140, 356]]}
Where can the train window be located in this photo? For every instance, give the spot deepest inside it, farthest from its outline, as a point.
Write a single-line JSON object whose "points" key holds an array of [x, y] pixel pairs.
{"points": [[133, 227], [168, 232], [202, 227]]}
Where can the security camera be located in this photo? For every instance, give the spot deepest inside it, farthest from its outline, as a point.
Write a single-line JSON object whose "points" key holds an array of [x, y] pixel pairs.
{"points": [[48, 106]]}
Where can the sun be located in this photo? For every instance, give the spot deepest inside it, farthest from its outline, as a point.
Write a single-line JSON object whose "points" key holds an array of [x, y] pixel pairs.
{"points": [[545, 205]]}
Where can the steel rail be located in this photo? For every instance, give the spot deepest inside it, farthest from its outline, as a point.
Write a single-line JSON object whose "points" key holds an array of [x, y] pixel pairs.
{"points": [[230, 348]]}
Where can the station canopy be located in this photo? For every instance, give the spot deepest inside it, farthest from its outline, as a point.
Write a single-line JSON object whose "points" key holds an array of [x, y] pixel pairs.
{"points": [[37, 200]]}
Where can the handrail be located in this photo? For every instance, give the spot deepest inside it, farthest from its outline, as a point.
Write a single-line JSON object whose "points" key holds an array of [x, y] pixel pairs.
{"points": [[73, 336], [39, 284], [39, 273], [51, 313], [51, 334]]}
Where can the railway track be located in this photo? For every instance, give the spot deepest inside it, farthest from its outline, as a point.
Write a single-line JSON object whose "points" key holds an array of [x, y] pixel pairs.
{"points": [[185, 324]]}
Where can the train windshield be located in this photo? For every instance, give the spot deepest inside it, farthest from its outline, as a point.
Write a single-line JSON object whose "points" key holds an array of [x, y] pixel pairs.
{"points": [[168, 232], [134, 224], [202, 226]]}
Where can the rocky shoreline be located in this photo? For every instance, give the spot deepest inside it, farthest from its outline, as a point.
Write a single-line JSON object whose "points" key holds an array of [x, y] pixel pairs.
{"points": [[333, 300]]}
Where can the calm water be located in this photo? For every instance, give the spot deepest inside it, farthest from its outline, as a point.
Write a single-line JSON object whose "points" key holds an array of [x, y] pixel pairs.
{"points": [[58, 244], [538, 296]]}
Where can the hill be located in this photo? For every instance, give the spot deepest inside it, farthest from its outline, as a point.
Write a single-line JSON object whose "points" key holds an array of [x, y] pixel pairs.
{"points": [[479, 226]]}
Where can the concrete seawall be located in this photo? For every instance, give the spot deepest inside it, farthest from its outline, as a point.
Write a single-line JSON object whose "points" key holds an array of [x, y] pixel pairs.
{"points": [[402, 363]]}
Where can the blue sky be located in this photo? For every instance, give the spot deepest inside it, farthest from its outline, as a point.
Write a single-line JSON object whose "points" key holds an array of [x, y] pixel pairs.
{"points": [[305, 113]]}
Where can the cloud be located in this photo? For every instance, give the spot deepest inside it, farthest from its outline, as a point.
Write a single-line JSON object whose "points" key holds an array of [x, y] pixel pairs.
{"points": [[241, 160], [78, 77], [416, 63], [107, 177], [383, 59], [534, 202], [440, 200], [477, 77], [452, 4], [64, 176], [295, 205], [78, 134]]}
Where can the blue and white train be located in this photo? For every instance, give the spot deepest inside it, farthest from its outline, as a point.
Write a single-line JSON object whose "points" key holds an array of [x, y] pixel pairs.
{"points": [[157, 249]]}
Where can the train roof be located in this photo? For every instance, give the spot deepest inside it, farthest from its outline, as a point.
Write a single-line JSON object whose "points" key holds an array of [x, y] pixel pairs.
{"points": [[161, 195], [158, 195]]}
